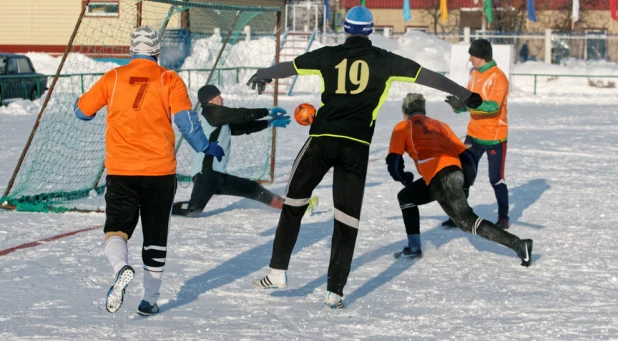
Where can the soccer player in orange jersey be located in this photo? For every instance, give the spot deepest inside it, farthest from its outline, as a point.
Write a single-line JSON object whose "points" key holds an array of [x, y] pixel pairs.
{"points": [[436, 152], [142, 100], [488, 126]]}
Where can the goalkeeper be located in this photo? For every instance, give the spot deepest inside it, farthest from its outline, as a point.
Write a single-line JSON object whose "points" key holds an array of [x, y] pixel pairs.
{"points": [[209, 174]]}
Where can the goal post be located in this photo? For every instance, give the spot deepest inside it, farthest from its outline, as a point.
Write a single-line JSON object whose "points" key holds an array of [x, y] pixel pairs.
{"points": [[61, 167]]}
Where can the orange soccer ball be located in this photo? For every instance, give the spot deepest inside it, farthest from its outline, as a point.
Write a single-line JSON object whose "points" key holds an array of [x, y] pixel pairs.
{"points": [[304, 114]]}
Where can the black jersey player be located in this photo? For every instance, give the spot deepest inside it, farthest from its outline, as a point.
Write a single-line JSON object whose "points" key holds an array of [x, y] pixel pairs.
{"points": [[356, 77]]}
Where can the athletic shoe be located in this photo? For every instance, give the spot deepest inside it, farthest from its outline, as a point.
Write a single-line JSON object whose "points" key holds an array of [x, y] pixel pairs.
{"points": [[502, 223], [276, 279], [525, 252], [313, 203], [334, 301], [449, 223], [115, 295], [407, 253], [146, 309]]}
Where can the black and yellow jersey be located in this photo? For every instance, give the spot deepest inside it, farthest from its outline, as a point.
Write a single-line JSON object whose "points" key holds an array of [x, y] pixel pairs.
{"points": [[356, 77]]}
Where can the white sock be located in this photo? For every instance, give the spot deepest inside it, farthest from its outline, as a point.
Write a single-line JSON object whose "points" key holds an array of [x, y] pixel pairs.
{"points": [[276, 272], [152, 284], [117, 252]]}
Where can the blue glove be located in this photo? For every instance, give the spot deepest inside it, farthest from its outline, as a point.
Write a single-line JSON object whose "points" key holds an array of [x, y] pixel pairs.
{"points": [[395, 167], [277, 111], [280, 121], [215, 150]]}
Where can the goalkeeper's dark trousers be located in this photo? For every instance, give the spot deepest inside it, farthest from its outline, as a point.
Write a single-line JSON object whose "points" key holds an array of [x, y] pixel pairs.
{"points": [[447, 187], [319, 154], [210, 182]]}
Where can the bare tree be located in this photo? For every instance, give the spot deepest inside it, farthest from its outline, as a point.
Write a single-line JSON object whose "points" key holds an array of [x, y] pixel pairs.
{"points": [[433, 14], [509, 15]]}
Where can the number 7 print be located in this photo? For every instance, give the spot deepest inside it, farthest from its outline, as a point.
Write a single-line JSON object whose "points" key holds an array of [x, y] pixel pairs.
{"points": [[143, 81]]}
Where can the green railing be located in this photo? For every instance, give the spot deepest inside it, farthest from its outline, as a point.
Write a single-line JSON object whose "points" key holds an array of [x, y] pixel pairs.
{"points": [[24, 80], [38, 78], [536, 75]]}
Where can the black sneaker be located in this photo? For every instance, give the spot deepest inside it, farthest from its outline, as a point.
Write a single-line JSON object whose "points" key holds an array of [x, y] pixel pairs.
{"points": [[502, 223], [449, 223], [407, 253], [145, 309], [525, 252]]}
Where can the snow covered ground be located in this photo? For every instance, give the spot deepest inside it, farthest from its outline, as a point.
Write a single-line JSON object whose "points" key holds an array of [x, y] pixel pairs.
{"points": [[561, 170]]}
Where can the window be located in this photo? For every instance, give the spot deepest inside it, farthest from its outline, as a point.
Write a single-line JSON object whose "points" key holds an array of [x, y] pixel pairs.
{"points": [[12, 70], [24, 66], [3, 65], [98, 8]]}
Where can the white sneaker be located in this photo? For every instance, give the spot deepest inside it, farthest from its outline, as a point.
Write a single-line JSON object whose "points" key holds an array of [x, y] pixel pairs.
{"points": [[276, 279], [334, 301]]}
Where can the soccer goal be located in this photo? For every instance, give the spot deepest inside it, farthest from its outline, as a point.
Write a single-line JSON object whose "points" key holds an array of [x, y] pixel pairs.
{"points": [[61, 167]]}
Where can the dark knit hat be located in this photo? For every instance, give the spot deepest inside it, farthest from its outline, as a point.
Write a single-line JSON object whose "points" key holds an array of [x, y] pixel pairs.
{"points": [[207, 92], [481, 48], [413, 103]]}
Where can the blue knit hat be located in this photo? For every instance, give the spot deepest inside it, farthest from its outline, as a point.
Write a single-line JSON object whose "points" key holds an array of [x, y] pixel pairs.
{"points": [[358, 20]]}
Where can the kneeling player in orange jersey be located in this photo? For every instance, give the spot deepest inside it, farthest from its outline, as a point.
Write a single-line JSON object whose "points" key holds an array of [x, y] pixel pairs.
{"points": [[436, 152]]}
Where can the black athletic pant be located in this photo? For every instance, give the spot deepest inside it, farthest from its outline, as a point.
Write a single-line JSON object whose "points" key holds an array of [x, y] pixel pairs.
{"points": [[128, 198], [319, 154], [447, 187], [210, 182], [496, 158]]}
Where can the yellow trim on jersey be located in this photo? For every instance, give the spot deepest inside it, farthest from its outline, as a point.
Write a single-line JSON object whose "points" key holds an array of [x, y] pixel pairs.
{"points": [[387, 87], [341, 136], [308, 72]]}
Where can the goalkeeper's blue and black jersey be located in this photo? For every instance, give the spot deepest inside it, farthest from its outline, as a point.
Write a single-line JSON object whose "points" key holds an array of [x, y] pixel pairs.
{"points": [[356, 77]]}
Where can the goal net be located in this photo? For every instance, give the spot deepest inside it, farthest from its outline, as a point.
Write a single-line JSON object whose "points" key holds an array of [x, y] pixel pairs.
{"points": [[61, 167]]}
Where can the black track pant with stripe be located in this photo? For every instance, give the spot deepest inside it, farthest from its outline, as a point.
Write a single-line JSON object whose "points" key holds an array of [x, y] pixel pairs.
{"points": [[150, 197], [319, 154], [447, 187]]}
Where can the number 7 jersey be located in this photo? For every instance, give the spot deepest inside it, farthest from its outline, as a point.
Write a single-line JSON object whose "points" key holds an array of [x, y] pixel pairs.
{"points": [[356, 77], [140, 98]]}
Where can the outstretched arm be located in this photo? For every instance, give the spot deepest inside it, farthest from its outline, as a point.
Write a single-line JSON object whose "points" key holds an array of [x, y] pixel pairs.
{"points": [[220, 115], [437, 81], [281, 70], [249, 127]]}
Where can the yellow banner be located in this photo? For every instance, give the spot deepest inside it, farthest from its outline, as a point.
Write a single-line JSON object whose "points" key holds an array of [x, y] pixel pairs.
{"points": [[443, 11]]}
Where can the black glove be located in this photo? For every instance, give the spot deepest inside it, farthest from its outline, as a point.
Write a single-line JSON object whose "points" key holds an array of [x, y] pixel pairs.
{"points": [[395, 167], [260, 83], [408, 179], [455, 103], [474, 101]]}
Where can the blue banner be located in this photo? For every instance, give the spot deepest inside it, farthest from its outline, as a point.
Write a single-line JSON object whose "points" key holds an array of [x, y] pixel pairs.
{"points": [[327, 9], [531, 12], [406, 11]]}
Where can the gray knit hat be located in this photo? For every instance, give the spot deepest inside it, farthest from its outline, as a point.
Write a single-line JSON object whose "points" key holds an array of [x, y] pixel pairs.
{"points": [[413, 103]]}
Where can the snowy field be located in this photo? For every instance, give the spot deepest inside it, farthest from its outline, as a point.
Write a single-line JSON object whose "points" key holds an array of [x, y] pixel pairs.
{"points": [[561, 167]]}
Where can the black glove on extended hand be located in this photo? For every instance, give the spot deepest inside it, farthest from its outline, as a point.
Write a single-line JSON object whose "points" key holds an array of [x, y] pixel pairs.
{"points": [[474, 101], [455, 103], [260, 83], [395, 166]]}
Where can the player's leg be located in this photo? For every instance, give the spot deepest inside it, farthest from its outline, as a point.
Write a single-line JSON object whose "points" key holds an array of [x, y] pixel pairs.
{"points": [[469, 162], [121, 216], [155, 208], [310, 166], [410, 197], [205, 184], [245, 188], [496, 157], [446, 187], [348, 188]]}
